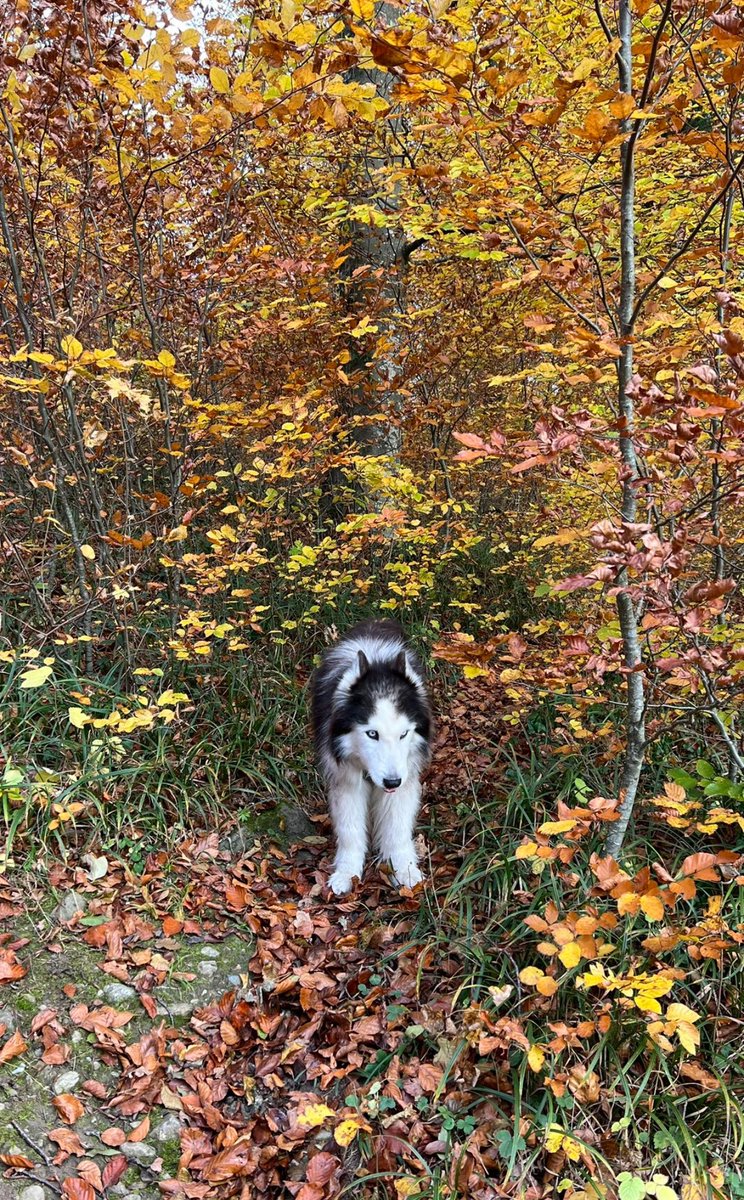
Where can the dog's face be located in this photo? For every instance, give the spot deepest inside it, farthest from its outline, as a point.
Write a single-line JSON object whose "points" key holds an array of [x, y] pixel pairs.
{"points": [[383, 725]]}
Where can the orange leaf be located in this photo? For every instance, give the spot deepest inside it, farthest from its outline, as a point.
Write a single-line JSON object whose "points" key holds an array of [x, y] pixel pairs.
{"points": [[113, 1136], [14, 1046], [69, 1107], [78, 1189], [140, 1132]]}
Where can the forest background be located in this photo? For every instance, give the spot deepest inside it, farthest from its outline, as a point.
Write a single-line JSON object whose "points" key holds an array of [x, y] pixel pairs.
{"points": [[310, 312]]}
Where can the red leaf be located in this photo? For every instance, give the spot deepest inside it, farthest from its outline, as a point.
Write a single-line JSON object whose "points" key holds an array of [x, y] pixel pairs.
{"points": [[148, 1003], [114, 1170]]}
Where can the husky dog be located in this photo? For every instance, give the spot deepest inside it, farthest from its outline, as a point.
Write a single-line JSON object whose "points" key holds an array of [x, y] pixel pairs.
{"points": [[372, 723]]}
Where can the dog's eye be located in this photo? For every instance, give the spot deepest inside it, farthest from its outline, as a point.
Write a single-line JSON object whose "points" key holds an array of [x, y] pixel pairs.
{"points": [[404, 735], [372, 733]]}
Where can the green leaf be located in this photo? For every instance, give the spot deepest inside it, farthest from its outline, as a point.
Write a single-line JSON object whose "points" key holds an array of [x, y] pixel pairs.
{"points": [[631, 1186], [683, 778], [705, 770], [719, 787]]}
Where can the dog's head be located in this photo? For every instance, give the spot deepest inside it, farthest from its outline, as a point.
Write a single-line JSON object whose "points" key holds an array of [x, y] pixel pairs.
{"points": [[383, 723]]}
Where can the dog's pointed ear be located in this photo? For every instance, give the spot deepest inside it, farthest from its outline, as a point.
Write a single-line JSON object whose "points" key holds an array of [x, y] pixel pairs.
{"points": [[363, 663], [399, 664]]}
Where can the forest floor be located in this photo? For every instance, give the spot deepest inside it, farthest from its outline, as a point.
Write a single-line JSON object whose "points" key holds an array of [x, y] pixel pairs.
{"points": [[218, 1021]]}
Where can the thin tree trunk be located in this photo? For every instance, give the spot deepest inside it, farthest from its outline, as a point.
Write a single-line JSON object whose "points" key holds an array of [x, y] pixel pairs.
{"points": [[635, 726]]}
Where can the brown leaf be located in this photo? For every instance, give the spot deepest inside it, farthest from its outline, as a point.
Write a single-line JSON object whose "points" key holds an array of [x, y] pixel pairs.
{"points": [[69, 1107], [90, 1171], [19, 1161], [10, 968], [78, 1189], [321, 1168], [43, 1018], [68, 1142], [113, 1136], [14, 1046], [95, 1088]]}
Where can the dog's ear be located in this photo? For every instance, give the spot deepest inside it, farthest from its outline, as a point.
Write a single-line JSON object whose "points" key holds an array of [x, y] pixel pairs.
{"points": [[399, 664], [363, 663]]}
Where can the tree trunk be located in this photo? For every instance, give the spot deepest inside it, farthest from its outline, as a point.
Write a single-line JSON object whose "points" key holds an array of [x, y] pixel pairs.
{"points": [[374, 271], [635, 724]]}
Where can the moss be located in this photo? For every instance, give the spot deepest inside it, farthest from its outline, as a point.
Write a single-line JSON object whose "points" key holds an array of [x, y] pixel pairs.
{"points": [[171, 1154], [25, 1004]]}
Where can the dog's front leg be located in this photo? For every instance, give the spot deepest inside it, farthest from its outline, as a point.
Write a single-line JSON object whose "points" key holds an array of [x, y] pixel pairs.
{"points": [[395, 817], [347, 799]]}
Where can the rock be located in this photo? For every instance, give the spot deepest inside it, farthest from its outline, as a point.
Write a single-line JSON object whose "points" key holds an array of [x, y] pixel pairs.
{"points": [[9, 1019], [138, 1152], [34, 1192], [119, 993], [177, 1008], [210, 952], [234, 980], [66, 1082], [168, 1130], [71, 903], [238, 841], [297, 824], [207, 968]]}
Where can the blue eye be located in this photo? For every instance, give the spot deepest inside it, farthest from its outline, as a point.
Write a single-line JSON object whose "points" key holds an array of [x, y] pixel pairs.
{"points": [[372, 733], [404, 735]]}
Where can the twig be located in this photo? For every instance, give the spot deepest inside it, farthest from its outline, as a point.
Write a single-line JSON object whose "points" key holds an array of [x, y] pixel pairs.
{"points": [[30, 1142]]}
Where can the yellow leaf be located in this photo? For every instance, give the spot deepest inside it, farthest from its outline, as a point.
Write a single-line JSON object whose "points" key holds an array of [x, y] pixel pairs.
{"points": [[666, 282], [526, 850], [71, 347], [689, 1036], [530, 975], [219, 80], [623, 106], [680, 1012], [165, 357], [550, 827], [407, 1187], [652, 906], [345, 1133], [547, 986], [171, 697], [472, 672], [570, 955], [77, 717], [314, 1114], [536, 1058], [88, 552], [36, 677]]}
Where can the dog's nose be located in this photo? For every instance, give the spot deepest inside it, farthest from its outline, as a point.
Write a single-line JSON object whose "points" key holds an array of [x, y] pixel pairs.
{"points": [[391, 784]]}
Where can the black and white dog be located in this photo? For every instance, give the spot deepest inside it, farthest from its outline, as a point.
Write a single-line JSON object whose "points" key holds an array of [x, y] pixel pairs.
{"points": [[372, 723]]}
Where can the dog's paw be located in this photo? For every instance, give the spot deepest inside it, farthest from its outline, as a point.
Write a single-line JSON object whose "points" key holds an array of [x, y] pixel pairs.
{"points": [[340, 883], [406, 875]]}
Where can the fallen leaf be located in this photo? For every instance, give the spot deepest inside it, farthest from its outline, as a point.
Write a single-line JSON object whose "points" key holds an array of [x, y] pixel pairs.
{"points": [[69, 1107], [14, 1046], [113, 1136]]}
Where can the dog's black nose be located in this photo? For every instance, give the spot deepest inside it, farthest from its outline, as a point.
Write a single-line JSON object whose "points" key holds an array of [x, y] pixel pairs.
{"points": [[391, 784]]}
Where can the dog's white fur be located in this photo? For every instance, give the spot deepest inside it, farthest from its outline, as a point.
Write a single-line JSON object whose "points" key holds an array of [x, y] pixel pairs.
{"points": [[384, 747]]}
